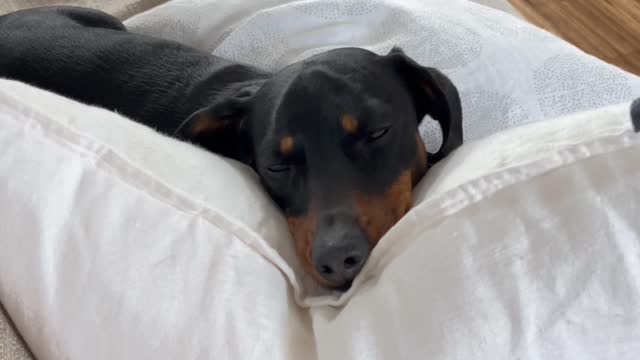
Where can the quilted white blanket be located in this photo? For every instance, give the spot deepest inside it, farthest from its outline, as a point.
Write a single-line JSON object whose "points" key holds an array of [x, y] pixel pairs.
{"points": [[120, 243]]}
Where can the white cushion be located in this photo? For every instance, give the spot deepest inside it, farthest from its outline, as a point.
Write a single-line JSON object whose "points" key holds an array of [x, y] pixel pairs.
{"points": [[118, 242], [103, 253]]}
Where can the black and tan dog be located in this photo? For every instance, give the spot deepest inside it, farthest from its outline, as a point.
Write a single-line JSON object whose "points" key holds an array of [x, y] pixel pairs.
{"points": [[334, 137]]}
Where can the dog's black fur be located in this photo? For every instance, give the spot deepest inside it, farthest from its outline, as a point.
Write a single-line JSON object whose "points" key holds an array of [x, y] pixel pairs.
{"points": [[333, 138]]}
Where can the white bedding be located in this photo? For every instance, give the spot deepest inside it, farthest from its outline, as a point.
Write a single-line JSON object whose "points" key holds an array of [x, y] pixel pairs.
{"points": [[523, 244], [534, 253], [508, 72]]}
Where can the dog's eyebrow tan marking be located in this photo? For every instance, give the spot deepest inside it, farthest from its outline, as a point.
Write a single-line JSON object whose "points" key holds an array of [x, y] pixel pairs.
{"points": [[349, 123], [286, 145], [204, 123]]}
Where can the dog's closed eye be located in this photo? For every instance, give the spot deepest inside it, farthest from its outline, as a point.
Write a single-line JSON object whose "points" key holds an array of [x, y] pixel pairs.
{"points": [[279, 168], [377, 134]]}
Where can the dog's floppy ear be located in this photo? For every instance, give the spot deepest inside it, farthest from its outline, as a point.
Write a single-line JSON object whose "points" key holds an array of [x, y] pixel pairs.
{"points": [[222, 127], [434, 94]]}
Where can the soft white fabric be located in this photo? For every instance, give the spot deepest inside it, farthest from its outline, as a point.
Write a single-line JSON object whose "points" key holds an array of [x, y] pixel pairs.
{"points": [[508, 72], [102, 259], [547, 268], [106, 256]]}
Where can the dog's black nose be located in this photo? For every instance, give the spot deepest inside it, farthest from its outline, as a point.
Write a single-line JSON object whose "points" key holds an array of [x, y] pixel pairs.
{"points": [[340, 265], [340, 250]]}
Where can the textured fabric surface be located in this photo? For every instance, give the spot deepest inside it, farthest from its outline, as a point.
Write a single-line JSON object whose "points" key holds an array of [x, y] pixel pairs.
{"points": [[11, 345], [115, 249], [509, 73], [126, 8], [120, 8], [503, 5]]}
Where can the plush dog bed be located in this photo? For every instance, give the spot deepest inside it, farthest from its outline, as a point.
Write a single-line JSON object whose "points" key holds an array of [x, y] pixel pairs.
{"points": [[520, 244]]}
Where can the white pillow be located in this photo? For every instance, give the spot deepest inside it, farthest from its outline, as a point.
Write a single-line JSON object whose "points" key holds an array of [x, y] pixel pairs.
{"points": [[118, 242]]}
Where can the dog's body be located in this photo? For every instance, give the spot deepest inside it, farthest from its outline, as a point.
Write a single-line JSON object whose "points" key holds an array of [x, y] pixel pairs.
{"points": [[89, 56], [333, 138]]}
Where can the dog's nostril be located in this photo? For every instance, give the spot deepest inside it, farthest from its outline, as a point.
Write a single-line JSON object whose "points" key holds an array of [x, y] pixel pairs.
{"points": [[339, 251], [326, 270], [351, 262]]}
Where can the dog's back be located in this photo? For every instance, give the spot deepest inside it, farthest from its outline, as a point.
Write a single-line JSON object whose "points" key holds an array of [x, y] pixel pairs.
{"points": [[89, 56]]}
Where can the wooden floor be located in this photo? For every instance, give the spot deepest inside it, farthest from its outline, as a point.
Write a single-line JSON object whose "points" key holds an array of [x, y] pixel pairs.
{"points": [[608, 29]]}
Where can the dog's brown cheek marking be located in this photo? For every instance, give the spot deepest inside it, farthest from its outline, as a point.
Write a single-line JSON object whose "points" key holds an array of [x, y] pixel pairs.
{"points": [[420, 166], [349, 124], [286, 145], [303, 229], [377, 214]]}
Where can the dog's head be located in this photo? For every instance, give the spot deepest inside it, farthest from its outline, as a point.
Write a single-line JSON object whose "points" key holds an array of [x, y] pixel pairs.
{"points": [[335, 141]]}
